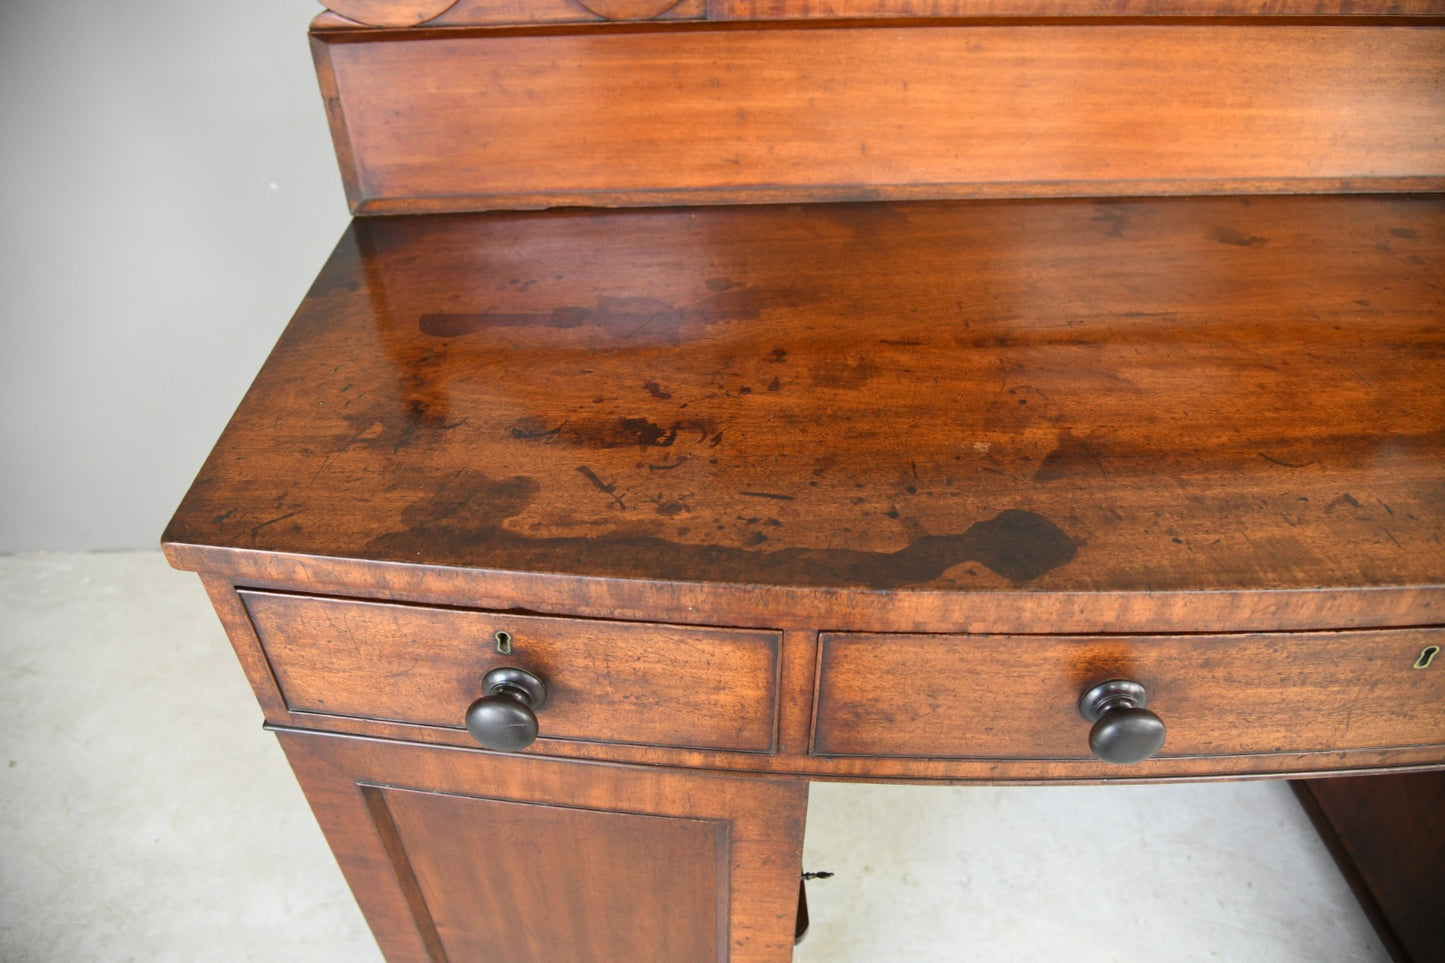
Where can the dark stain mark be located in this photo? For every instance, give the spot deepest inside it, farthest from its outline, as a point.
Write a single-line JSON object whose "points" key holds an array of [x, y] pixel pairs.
{"points": [[464, 522], [1228, 235], [863, 220], [772, 495], [755, 539], [1286, 464], [669, 507], [269, 522], [745, 390], [612, 433], [778, 356], [902, 344], [601, 486], [892, 513], [677, 464], [1405, 232], [222, 517], [1072, 456], [534, 429], [775, 384], [469, 501], [641, 432], [1345, 499], [719, 284], [843, 374], [1116, 220], [655, 389], [622, 318], [716, 440], [1017, 544]]}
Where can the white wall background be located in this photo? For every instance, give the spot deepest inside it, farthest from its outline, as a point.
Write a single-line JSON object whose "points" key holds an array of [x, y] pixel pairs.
{"points": [[167, 193]]}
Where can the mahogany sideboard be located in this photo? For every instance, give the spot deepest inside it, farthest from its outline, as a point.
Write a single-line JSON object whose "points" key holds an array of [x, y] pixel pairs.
{"points": [[714, 396]]}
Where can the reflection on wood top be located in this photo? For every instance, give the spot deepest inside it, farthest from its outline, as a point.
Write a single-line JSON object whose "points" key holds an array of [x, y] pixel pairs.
{"points": [[1077, 395]]}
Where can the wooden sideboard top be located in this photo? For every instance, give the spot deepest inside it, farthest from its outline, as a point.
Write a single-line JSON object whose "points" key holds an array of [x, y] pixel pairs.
{"points": [[355, 14], [1090, 396]]}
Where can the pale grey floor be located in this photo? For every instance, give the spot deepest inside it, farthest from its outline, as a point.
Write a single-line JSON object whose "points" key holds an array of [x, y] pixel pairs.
{"points": [[145, 816]]}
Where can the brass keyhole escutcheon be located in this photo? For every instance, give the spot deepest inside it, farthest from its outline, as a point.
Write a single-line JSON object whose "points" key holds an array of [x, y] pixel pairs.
{"points": [[1427, 655], [504, 642]]}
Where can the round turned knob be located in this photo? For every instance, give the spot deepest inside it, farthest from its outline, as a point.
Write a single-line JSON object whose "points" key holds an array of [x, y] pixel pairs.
{"points": [[505, 718], [1124, 731]]}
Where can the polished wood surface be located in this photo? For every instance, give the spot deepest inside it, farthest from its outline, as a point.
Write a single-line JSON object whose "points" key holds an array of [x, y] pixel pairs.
{"points": [[601, 863], [613, 682], [679, 115], [1127, 398], [1000, 697]]}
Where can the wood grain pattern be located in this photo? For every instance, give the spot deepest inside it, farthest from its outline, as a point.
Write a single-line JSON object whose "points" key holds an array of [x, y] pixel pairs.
{"points": [[756, 866], [1002, 697], [1211, 395], [612, 682], [559, 883], [681, 115]]}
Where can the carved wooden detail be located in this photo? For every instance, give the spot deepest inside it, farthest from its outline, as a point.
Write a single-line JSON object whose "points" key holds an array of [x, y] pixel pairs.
{"points": [[389, 13], [629, 9]]}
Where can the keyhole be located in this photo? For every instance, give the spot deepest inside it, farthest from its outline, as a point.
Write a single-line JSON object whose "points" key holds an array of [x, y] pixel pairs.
{"points": [[504, 642], [1427, 656]]}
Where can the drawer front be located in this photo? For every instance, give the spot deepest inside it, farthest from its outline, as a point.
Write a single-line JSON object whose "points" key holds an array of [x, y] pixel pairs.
{"points": [[611, 682], [1016, 697]]}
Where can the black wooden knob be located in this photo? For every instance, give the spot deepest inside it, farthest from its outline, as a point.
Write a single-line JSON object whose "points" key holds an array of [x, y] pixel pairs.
{"points": [[1124, 731], [505, 718]]}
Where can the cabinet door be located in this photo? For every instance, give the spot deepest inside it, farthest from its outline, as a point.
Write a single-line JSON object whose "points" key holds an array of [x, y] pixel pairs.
{"points": [[462, 856]]}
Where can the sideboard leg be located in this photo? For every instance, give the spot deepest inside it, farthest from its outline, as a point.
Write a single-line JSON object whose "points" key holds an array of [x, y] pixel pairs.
{"points": [[1387, 835]]}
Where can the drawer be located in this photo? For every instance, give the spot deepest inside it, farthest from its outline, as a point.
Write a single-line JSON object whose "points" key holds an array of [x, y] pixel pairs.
{"points": [[611, 682], [1016, 697]]}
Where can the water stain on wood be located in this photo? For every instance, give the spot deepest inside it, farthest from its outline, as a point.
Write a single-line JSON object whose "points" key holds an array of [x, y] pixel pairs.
{"points": [[471, 501], [611, 432], [641, 319], [851, 373], [1072, 457], [465, 519], [1228, 235]]}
